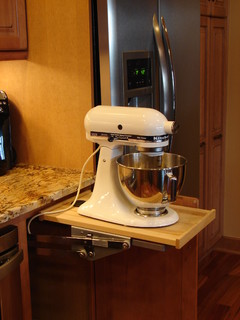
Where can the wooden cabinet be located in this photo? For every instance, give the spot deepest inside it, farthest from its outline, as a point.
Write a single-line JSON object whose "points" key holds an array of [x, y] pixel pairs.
{"points": [[139, 283], [215, 8], [147, 284], [150, 280], [212, 111], [13, 29]]}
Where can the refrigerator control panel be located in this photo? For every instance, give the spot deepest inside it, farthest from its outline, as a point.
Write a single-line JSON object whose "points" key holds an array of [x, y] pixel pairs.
{"points": [[138, 78], [139, 73]]}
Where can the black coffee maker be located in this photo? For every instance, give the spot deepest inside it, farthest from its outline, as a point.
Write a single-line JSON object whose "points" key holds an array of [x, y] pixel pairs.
{"points": [[6, 149]]}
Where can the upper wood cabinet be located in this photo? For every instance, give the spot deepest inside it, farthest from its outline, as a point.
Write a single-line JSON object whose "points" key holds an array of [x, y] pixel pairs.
{"points": [[13, 29], [214, 8]]}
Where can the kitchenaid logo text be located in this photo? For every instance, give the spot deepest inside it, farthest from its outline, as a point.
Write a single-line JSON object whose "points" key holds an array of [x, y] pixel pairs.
{"points": [[127, 137]]}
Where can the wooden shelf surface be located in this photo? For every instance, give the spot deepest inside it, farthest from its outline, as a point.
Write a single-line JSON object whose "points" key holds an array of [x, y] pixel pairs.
{"points": [[191, 222]]}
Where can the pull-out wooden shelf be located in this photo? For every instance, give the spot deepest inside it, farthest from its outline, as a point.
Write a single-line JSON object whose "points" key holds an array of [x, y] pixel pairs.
{"points": [[191, 222]]}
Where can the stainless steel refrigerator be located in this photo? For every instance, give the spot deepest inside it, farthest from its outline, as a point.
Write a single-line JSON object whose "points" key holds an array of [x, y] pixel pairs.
{"points": [[146, 53]]}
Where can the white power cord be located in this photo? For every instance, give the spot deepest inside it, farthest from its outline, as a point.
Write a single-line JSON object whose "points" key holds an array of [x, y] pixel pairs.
{"points": [[75, 199]]}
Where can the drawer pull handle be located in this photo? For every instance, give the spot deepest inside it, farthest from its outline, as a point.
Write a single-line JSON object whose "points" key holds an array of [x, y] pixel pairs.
{"points": [[218, 136]]}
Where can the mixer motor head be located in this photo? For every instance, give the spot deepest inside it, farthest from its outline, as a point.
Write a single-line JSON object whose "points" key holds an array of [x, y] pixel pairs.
{"points": [[144, 128]]}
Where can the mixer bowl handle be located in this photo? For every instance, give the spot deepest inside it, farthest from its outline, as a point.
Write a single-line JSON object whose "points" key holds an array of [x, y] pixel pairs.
{"points": [[171, 186]]}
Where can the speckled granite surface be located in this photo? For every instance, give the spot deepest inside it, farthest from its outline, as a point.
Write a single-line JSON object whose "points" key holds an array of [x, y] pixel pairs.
{"points": [[26, 187]]}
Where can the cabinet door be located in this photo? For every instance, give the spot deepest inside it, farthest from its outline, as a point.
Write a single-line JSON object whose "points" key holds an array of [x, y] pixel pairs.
{"points": [[204, 96], [214, 230], [202, 194], [215, 8], [219, 8], [146, 284], [13, 35], [212, 111], [217, 108], [217, 75], [205, 7]]}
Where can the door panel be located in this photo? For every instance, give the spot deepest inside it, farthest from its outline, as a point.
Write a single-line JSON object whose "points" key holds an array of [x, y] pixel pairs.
{"points": [[13, 34]]}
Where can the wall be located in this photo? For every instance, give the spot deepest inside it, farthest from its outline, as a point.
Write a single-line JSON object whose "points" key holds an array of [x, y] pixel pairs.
{"points": [[232, 164], [50, 92]]}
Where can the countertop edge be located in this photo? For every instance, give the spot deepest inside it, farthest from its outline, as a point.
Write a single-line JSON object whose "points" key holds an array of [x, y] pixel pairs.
{"points": [[43, 201]]}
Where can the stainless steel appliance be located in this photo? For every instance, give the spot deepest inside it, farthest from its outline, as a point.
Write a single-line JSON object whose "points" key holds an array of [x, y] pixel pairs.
{"points": [[6, 149], [10, 283], [146, 54]]}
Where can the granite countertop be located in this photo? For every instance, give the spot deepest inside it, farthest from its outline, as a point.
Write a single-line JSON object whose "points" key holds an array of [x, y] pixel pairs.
{"points": [[26, 188]]}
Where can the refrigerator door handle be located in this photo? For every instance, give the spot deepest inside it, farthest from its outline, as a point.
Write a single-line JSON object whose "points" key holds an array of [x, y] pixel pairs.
{"points": [[170, 59], [167, 71]]}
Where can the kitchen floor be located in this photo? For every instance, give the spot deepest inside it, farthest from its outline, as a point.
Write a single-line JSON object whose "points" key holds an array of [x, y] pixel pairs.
{"points": [[219, 287]]}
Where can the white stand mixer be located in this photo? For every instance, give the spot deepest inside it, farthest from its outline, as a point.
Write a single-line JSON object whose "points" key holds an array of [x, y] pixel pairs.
{"points": [[112, 128]]}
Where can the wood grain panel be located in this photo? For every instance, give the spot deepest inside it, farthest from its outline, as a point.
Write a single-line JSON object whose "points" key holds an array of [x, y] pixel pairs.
{"points": [[219, 283], [216, 8], [204, 110], [144, 284], [13, 31], [213, 112], [51, 91], [218, 74], [191, 222]]}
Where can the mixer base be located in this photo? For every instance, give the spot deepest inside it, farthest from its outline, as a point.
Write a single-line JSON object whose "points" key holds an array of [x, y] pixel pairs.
{"points": [[129, 217], [151, 212]]}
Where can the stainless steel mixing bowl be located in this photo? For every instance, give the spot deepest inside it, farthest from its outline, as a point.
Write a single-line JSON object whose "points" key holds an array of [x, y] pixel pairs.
{"points": [[151, 182]]}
